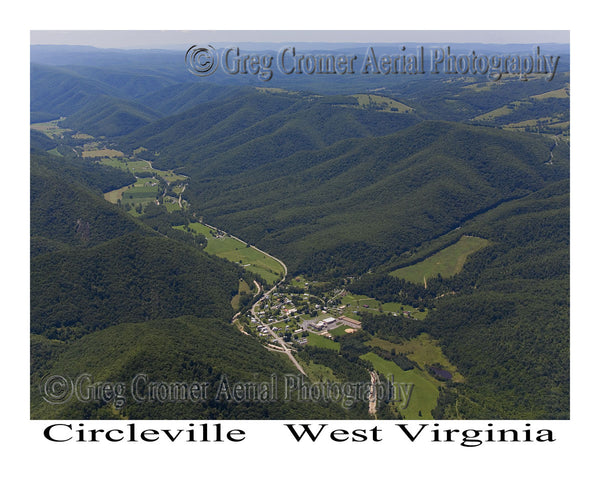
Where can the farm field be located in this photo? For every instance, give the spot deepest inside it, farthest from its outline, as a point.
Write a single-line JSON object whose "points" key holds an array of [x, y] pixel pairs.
{"points": [[447, 262], [145, 189], [362, 303], [238, 252], [320, 341], [51, 128], [101, 153], [423, 350], [424, 393], [384, 103]]}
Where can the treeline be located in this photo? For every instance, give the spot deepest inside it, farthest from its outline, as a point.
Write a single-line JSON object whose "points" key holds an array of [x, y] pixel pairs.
{"points": [[97, 177], [506, 325], [386, 288]]}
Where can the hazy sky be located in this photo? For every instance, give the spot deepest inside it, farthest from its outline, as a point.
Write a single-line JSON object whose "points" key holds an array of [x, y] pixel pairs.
{"points": [[174, 38]]}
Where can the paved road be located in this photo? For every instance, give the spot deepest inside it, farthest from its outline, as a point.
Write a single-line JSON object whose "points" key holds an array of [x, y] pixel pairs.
{"points": [[256, 304]]}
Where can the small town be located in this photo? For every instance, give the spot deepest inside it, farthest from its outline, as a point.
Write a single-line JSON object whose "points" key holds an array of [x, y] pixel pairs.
{"points": [[298, 318]]}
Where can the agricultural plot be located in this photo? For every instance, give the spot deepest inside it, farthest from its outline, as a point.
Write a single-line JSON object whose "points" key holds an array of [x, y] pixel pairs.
{"points": [[446, 262], [424, 394], [51, 128], [382, 103], [423, 350], [145, 189], [102, 153], [238, 252], [320, 341], [362, 303]]}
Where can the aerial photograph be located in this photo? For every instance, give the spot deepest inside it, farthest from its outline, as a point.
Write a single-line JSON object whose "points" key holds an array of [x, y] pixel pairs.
{"points": [[326, 225]]}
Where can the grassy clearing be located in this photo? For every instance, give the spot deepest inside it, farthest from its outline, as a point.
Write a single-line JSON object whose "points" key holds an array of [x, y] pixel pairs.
{"points": [[362, 303], [423, 350], [480, 86], [339, 331], [424, 393], [51, 128], [317, 372], [242, 288], [104, 152], [560, 93], [137, 166], [83, 136], [322, 342], [446, 262], [384, 104], [239, 252], [498, 112], [115, 195]]}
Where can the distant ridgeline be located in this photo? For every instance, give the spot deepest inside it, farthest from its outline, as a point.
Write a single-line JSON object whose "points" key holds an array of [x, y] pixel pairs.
{"points": [[364, 184]]}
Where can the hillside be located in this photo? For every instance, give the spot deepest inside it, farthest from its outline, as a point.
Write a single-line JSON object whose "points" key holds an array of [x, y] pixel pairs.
{"points": [[515, 289], [348, 207], [109, 116]]}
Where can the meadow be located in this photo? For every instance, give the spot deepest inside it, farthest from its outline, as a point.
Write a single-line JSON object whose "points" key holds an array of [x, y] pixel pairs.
{"points": [[238, 252], [383, 103], [320, 341], [424, 350], [362, 303], [446, 262], [424, 394]]}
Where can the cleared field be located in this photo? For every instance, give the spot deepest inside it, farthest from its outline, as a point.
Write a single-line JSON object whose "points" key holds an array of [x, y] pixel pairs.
{"points": [[239, 252], [560, 93], [242, 288], [424, 394], [386, 104], [362, 303], [322, 342], [423, 350], [115, 195], [338, 331], [498, 112], [137, 166], [83, 136], [446, 262], [317, 372], [51, 128], [105, 152]]}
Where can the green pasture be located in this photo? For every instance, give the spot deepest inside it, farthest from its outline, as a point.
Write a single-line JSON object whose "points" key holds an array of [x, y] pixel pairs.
{"points": [[386, 104], [424, 393], [423, 350], [320, 341], [239, 252], [446, 262]]}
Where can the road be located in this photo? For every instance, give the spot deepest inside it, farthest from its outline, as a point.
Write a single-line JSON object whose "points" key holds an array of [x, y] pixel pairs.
{"points": [[284, 346], [373, 394]]}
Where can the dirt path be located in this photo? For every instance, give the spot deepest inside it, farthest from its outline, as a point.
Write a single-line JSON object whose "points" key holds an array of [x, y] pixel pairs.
{"points": [[373, 394]]}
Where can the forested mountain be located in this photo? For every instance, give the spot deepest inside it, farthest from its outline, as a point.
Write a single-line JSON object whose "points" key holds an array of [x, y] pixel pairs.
{"points": [[102, 287], [109, 116], [504, 320], [347, 207]]}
